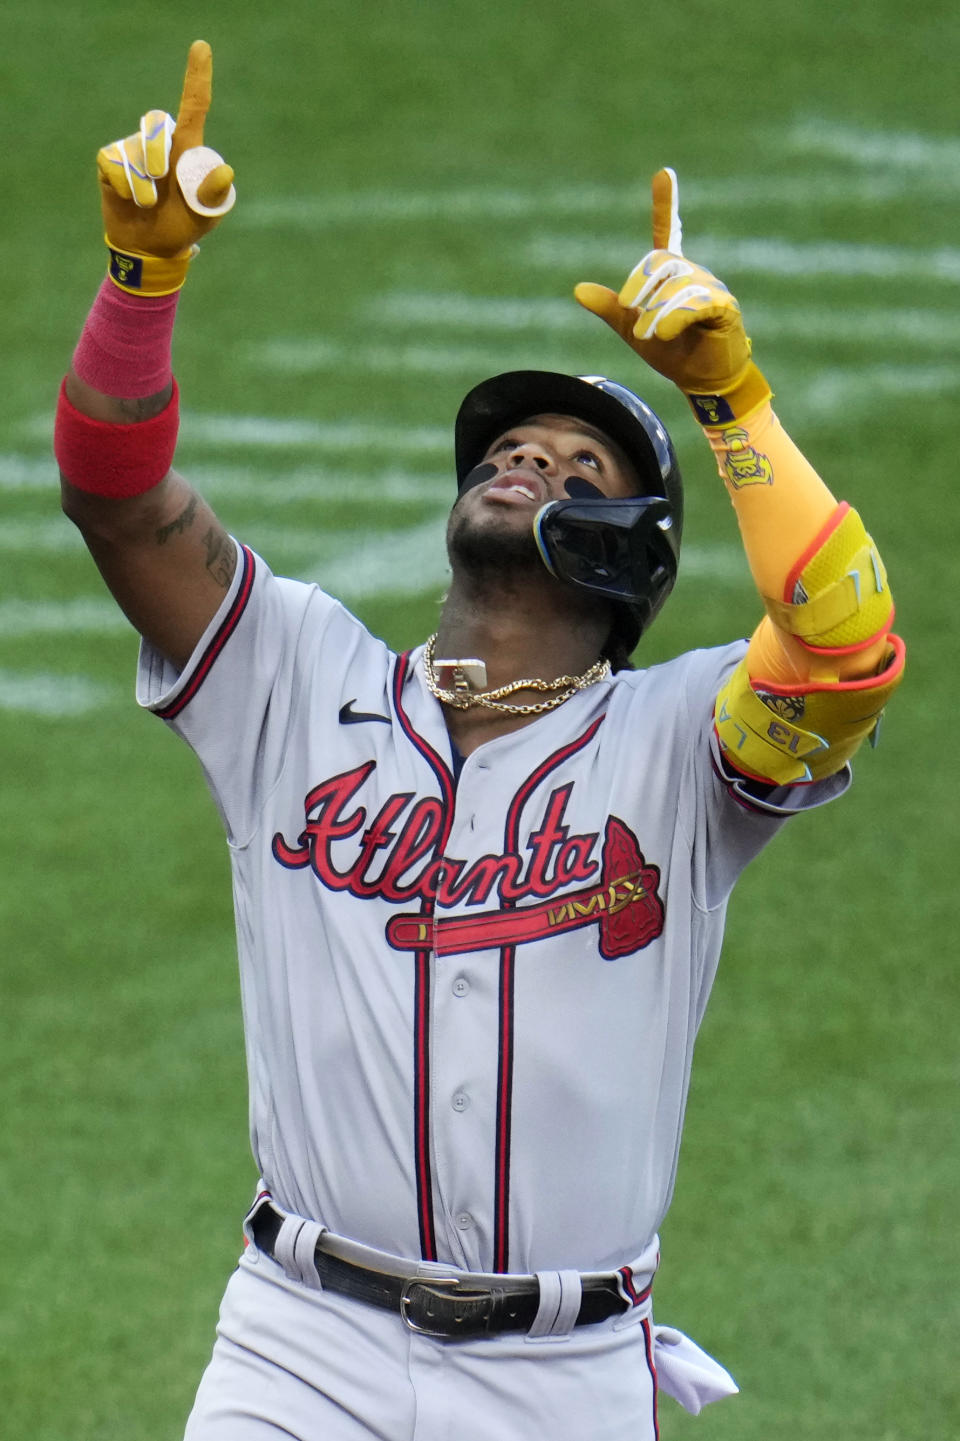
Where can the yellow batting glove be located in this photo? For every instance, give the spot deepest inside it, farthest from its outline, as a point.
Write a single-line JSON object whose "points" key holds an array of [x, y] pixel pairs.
{"points": [[682, 320], [131, 166], [162, 189]]}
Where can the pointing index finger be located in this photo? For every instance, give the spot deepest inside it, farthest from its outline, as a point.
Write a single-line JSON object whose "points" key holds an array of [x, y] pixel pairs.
{"points": [[667, 230], [195, 100]]}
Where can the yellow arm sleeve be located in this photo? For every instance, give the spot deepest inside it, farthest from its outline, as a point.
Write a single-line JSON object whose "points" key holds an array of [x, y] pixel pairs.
{"points": [[820, 575], [822, 663]]}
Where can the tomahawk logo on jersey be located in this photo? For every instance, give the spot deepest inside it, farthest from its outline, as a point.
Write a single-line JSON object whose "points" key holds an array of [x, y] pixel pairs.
{"points": [[347, 851]]}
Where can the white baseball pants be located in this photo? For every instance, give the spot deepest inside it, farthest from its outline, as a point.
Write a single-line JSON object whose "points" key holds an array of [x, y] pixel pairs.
{"points": [[291, 1362]]}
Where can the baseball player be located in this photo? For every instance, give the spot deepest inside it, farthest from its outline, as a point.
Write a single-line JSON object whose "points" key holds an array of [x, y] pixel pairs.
{"points": [[480, 886]]}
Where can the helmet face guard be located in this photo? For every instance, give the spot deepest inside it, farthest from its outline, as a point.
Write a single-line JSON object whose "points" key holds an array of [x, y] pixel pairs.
{"points": [[625, 550]]}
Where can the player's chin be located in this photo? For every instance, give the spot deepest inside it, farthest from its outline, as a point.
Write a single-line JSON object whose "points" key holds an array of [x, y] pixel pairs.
{"points": [[490, 539]]}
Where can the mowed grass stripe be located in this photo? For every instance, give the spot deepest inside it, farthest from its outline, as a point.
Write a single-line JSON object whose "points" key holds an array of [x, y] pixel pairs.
{"points": [[874, 323], [858, 391], [239, 431], [886, 149], [833, 391], [361, 487], [770, 255], [936, 159], [305, 355], [19, 618], [27, 472], [43, 694], [276, 432]]}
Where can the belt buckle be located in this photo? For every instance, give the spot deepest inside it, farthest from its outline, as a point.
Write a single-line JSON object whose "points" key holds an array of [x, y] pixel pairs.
{"points": [[415, 1313]]}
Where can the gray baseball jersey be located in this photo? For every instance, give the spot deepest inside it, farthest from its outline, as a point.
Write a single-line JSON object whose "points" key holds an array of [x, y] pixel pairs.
{"points": [[470, 1000]]}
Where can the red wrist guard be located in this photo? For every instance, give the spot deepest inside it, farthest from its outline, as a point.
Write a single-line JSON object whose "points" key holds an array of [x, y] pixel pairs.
{"points": [[116, 461]]}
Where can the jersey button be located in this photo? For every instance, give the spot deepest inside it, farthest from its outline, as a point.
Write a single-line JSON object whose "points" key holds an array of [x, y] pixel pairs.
{"points": [[460, 1101], [461, 986], [464, 1221]]}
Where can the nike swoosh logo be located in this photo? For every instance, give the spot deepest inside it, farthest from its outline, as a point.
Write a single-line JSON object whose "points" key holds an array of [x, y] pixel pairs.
{"points": [[350, 717]]}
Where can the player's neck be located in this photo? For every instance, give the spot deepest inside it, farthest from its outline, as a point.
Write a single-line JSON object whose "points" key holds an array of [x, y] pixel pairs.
{"points": [[526, 635]]}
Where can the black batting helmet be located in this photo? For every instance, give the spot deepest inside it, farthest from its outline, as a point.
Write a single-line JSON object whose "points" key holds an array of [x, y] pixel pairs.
{"points": [[626, 550]]}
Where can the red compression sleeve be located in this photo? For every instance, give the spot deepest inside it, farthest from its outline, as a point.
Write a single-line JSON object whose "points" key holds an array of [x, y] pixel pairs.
{"points": [[124, 349]]}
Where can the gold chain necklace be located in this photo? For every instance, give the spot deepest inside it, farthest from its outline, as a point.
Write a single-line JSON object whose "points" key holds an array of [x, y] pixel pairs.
{"points": [[464, 697]]}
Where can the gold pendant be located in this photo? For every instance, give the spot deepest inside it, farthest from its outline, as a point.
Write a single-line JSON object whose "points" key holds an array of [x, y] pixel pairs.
{"points": [[461, 676]]}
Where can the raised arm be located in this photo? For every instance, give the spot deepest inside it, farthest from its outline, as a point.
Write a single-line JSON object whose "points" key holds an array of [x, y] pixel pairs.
{"points": [[822, 662], [158, 545]]}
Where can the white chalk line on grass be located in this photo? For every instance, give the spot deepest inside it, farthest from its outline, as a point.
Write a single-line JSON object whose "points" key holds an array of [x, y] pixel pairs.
{"points": [[405, 562], [240, 431], [539, 315], [244, 432], [78, 615], [35, 536], [39, 535], [878, 325], [54, 696], [308, 355], [859, 388], [835, 391], [25, 472], [769, 256], [360, 489], [887, 149], [286, 487], [321, 212]]}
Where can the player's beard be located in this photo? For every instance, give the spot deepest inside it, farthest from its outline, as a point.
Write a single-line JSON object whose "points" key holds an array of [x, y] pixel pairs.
{"points": [[492, 555]]}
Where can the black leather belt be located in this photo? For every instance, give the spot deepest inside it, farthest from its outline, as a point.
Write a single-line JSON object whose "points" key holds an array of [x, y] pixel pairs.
{"points": [[447, 1306]]}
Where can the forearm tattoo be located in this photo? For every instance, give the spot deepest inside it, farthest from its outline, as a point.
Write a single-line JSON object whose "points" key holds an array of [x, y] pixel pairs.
{"points": [[180, 524], [143, 408], [220, 556]]}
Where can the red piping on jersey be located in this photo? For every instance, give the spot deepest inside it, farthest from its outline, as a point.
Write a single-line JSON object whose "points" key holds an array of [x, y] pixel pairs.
{"points": [[501, 1215], [421, 1003], [421, 1105], [501, 1189], [651, 1366], [629, 1286], [227, 626]]}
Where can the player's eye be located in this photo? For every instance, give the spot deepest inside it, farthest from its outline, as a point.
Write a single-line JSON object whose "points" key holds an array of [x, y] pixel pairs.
{"points": [[590, 458], [509, 442]]}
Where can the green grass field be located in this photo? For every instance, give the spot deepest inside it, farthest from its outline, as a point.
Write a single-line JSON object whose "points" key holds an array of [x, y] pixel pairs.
{"points": [[420, 187]]}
